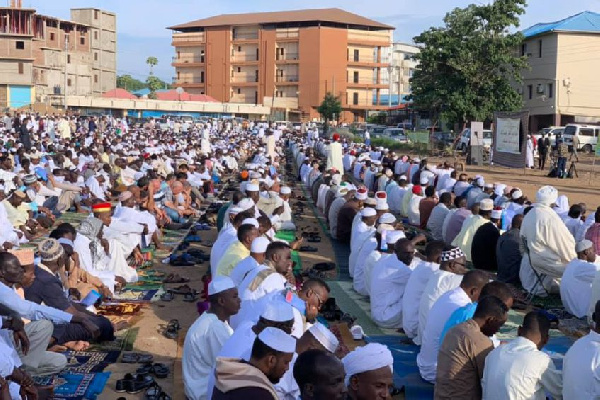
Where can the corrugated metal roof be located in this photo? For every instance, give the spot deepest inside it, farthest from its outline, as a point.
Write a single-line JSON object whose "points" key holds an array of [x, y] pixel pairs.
{"points": [[324, 15], [585, 21]]}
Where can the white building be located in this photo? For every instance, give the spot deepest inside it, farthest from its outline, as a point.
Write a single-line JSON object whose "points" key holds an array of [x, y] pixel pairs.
{"points": [[402, 66]]}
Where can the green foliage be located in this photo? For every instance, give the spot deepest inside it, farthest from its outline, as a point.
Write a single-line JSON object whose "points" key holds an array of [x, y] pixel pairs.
{"points": [[152, 95], [152, 61], [330, 108], [466, 67], [379, 119], [127, 82], [154, 84]]}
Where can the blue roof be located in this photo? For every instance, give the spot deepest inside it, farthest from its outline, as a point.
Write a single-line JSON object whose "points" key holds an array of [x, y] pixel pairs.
{"points": [[585, 21]]}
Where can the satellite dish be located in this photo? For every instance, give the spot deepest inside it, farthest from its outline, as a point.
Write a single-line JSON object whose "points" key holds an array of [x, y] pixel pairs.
{"points": [[179, 90]]}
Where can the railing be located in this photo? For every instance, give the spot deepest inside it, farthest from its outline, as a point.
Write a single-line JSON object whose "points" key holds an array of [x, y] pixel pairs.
{"points": [[185, 60], [244, 57], [189, 38], [286, 35], [184, 81], [287, 57], [370, 60], [366, 81], [287, 78], [244, 79], [245, 36]]}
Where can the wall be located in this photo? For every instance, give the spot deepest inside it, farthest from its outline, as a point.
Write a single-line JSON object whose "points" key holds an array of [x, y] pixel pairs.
{"points": [[542, 71], [218, 45]]}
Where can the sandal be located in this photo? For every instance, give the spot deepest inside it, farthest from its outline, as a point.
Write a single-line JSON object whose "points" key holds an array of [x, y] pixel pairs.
{"points": [[139, 383], [167, 296], [134, 358], [324, 266], [160, 370], [313, 239], [190, 297], [308, 249], [184, 289], [175, 278]]}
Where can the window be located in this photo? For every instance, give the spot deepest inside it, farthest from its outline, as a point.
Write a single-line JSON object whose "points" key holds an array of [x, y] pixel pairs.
{"points": [[82, 41], [95, 14], [21, 69], [95, 56], [20, 45], [239, 69], [530, 91], [51, 36], [524, 49], [239, 91], [239, 48], [95, 35], [257, 56], [355, 98], [356, 55], [256, 76], [95, 78], [68, 59], [550, 90], [355, 76], [586, 132], [68, 82], [202, 56], [201, 76], [539, 49]]}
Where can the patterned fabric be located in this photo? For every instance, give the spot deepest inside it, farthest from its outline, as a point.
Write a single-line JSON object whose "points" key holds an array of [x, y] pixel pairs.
{"points": [[452, 254]]}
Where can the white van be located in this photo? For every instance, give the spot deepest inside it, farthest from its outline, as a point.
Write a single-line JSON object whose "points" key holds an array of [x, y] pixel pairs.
{"points": [[588, 136]]}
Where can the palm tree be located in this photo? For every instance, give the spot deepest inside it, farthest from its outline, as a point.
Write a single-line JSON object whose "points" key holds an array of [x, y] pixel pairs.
{"points": [[151, 61]]}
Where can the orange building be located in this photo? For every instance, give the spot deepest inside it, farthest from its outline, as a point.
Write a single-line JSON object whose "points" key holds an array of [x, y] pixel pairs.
{"points": [[286, 60]]}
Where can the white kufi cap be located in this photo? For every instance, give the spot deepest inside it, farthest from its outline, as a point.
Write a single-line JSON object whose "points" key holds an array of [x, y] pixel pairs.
{"points": [[278, 340], [325, 337], [387, 218], [368, 212], [251, 221], [278, 311], [220, 284], [546, 195], [259, 245]]}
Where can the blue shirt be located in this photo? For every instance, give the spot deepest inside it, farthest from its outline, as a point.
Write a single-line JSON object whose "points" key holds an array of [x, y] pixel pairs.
{"points": [[30, 310], [459, 316]]}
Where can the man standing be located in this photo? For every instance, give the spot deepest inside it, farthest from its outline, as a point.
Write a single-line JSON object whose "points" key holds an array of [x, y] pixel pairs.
{"points": [[543, 146], [369, 372], [519, 370], [207, 335], [563, 151], [464, 349], [576, 144]]}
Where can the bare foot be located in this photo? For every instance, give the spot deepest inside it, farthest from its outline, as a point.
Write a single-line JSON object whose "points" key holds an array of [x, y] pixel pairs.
{"points": [[57, 348], [79, 345]]}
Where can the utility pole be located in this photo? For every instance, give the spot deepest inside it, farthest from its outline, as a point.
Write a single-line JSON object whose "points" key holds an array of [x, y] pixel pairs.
{"points": [[66, 72], [390, 69]]}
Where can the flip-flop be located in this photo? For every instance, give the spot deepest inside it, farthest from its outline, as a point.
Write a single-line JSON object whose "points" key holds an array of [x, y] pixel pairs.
{"points": [[314, 239], [308, 249], [190, 297], [175, 278], [134, 358], [183, 289], [167, 296]]}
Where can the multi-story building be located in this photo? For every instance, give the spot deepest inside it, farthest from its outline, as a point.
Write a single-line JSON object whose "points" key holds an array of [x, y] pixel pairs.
{"points": [[560, 86], [286, 60], [401, 57], [42, 57]]}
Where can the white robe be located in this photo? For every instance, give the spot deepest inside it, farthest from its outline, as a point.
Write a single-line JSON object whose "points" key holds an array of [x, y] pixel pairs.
{"points": [[81, 245], [576, 286], [362, 233], [242, 269], [412, 296], [361, 283], [226, 237], [334, 157], [580, 368], [390, 276]]}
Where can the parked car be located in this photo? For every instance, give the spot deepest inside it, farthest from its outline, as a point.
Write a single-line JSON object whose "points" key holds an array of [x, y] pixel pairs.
{"points": [[377, 131], [442, 139], [588, 136], [465, 139], [397, 134]]}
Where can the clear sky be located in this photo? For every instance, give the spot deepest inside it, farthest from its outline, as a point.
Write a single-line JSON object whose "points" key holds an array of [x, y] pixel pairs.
{"points": [[141, 23]]}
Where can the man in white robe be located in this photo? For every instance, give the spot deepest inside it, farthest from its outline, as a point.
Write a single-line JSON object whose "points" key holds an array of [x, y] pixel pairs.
{"points": [[549, 244], [335, 154], [250, 263], [576, 282], [364, 229]]}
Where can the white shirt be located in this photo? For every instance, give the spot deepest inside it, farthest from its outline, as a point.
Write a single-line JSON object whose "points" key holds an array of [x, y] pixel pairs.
{"points": [[581, 369], [573, 225], [334, 210], [412, 296], [414, 215], [287, 388], [395, 198], [439, 314], [436, 220], [226, 237], [203, 341], [519, 371], [242, 269], [576, 286], [362, 277], [439, 283], [389, 278]]}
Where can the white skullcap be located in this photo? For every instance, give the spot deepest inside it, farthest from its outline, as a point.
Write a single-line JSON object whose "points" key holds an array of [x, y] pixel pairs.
{"points": [[486, 205], [499, 191], [417, 160], [497, 214], [278, 311], [368, 212], [480, 182], [220, 284], [362, 194], [285, 190], [424, 180], [278, 340], [384, 227], [387, 218], [403, 177], [250, 221], [341, 192], [246, 204], [235, 210], [393, 236], [583, 245], [517, 194], [336, 179], [382, 204], [259, 245], [371, 201], [388, 172], [367, 358], [325, 337], [252, 187], [546, 195]]}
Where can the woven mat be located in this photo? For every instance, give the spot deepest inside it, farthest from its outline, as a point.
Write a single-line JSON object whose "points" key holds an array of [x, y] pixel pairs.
{"points": [[84, 362], [75, 386]]}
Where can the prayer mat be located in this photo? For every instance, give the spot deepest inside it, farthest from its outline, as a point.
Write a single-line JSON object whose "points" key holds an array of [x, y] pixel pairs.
{"points": [[124, 340], [297, 261], [137, 294], [119, 308], [85, 362], [76, 386], [288, 236], [143, 285]]}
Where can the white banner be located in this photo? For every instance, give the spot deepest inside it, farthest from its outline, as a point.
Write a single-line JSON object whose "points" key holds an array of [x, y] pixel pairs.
{"points": [[507, 135]]}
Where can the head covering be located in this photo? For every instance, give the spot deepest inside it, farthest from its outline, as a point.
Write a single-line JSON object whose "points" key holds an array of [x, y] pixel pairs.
{"points": [[246, 204], [499, 190], [50, 249], [546, 195], [285, 190], [19, 193], [583, 245], [393, 236], [486, 205], [251, 221], [101, 207], [370, 201], [244, 174], [259, 245], [235, 210], [384, 227], [452, 254], [29, 179], [324, 336], [336, 179], [480, 182], [416, 189], [252, 187], [25, 256], [387, 218], [497, 213], [220, 284], [517, 194], [403, 178], [362, 194], [368, 212], [278, 311], [489, 185], [126, 195], [367, 358], [341, 192], [381, 205], [278, 340]]}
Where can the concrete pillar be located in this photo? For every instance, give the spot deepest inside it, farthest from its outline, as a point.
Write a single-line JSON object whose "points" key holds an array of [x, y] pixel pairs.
{"points": [[557, 119]]}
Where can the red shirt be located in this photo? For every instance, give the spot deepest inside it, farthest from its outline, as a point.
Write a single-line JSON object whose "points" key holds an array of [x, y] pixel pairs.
{"points": [[593, 234]]}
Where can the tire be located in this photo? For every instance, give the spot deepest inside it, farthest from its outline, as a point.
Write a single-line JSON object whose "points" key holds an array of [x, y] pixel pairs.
{"points": [[587, 149]]}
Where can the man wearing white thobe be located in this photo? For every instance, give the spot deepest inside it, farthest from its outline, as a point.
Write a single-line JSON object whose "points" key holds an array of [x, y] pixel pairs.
{"points": [[364, 230], [334, 156], [413, 293], [576, 283]]}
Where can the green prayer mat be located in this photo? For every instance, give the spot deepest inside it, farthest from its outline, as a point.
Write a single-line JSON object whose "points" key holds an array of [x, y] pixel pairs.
{"points": [[288, 236]]}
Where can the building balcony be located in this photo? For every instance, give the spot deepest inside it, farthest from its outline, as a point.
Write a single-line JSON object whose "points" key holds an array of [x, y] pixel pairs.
{"points": [[244, 59], [287, 36], [366, 84], [287, 80], [189, 82], [368, 62], [188, 62], [245, 37], [287, 58], [240, 81], [188, 41]]}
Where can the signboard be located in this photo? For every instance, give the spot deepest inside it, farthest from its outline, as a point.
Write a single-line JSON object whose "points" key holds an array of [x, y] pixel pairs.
{"points": [[507, 135]]}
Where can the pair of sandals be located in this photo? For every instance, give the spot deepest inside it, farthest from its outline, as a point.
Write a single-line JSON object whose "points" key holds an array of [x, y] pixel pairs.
{"points": [[312, 237], [172, 329], [189, 295], [159, 370], [134, 383], [155, 392], [175, 278], [137, 358]]}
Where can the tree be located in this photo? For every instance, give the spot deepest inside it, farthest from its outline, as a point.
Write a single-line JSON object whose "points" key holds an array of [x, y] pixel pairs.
{"points": [[129, 83], [467, 67], [329, 108], [152, 61], [154, 84]]}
